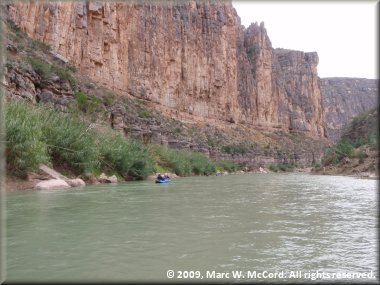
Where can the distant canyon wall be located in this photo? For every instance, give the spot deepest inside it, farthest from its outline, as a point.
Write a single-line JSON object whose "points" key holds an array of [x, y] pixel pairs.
{"points": [[193, 61], [344, 98]]}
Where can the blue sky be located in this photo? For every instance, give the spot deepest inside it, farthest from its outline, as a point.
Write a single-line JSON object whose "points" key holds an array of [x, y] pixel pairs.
{"points": [[343, 33]]}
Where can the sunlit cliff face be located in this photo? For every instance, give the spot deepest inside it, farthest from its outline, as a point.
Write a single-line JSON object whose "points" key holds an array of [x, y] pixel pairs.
{"points": [[192, 61]]}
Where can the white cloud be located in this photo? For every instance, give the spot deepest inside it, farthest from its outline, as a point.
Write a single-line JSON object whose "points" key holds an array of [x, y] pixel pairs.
{"points": [[343, 33]]}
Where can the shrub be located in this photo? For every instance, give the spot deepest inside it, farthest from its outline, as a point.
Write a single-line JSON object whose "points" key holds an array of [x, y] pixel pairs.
{"points": [[254, 145], [227, 166], [94, 105], [234, 149], [25, 148], [129, 157], [317, 165], [20, 47], [226, 149], [273, 168], [13, 26], [345, 148], [108, 98], [42, 135], [145, 115], [38, 45], [267, 146], [38, 135], [373, 139], [39, 66], [177, 130], [361, 155], [282, 167], [183, 162], [81, 100], [358, 141], [71, 67], [64, 74], [64, 133]]}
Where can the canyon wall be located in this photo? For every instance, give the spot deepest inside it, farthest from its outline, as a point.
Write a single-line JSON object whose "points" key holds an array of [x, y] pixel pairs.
{"points": [[344, 98], [193, 61]]}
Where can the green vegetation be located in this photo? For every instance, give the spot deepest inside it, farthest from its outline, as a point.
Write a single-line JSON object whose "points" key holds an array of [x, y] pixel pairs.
{"points": [[183, 162], [38, 45], [225, 165], [37, 135], [281, 167], [46, 71], [234, 149], [346, 148], [373, 139], [81, 100], [358, 119], [13, 26], [361, 155]]}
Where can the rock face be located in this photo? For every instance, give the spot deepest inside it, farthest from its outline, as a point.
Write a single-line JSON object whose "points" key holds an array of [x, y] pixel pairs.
{"points": [[344, 98], [22, 82], [193, 61]]}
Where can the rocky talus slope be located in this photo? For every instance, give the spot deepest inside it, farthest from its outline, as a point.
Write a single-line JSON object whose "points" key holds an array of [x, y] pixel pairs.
{"points": [[344, 98], [363, 158], [192, 61]]}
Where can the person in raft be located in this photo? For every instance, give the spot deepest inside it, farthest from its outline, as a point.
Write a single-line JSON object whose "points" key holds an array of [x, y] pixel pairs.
{"points": [[159, 177], [166, 176]]}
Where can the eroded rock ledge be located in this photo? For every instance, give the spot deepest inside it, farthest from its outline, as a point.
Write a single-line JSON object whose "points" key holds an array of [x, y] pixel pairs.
{"points": [[193, 61]]}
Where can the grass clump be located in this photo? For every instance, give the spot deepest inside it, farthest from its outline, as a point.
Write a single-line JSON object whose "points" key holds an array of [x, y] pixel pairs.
{"points": [[46, 71], [81, 100], [234, 149], [37, 134], [129, 158], [281, 167], [38, 45], [273, 168], [183, 162], [41, 67], [145, 115], [358, 119], [225, 165], [25, 146]]}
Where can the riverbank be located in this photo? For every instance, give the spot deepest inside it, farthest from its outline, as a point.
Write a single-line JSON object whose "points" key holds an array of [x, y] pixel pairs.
{"points": [[13, 182], [365, 166], [37, 135]]}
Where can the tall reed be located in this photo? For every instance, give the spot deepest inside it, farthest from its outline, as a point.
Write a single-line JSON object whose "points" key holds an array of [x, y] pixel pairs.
{"points": [[183, 162], [37, 134]]}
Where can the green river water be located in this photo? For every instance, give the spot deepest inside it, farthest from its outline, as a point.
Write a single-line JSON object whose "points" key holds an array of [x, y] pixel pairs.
{"points": [[207, 229]]}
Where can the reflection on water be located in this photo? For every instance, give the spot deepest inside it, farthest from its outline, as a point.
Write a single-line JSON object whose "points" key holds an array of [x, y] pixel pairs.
{"points": [[140, 230]]}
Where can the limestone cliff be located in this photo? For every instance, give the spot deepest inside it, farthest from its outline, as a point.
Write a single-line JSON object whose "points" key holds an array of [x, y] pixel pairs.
{"points": [[344, 98], [191, 60]]}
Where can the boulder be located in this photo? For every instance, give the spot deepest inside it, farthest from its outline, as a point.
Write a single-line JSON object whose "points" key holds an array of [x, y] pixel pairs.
{"points": [[76, 182], [52, 184], [102, 178], [112, 179]]}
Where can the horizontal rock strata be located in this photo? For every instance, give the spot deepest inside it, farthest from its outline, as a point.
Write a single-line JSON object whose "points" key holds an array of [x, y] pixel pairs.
{"points": [[191, 60]]}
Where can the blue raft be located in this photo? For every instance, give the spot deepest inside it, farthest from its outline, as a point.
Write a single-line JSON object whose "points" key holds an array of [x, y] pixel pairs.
{"points": [[163, 181]]}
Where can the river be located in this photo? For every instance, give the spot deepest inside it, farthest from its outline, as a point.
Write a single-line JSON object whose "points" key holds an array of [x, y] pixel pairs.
{"points": [[208, 228]]}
